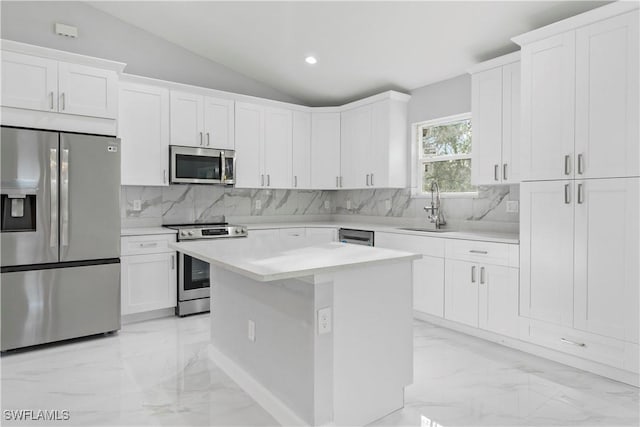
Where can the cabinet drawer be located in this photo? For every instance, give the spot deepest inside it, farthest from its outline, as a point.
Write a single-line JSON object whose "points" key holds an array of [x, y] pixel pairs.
{"points": [[147, 244], [483, 252], [431, 246], [607, 351]]}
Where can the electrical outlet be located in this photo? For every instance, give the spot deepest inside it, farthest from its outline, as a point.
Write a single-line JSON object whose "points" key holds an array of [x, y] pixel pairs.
{"points": [[327, 205], [324, 320], [387, 205], [513, 206], [258, 205], [251, 330], [137, 205], [349, 205]]}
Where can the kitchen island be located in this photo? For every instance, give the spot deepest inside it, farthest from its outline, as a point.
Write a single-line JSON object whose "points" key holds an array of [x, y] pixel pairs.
{"points": [[316, 334]]}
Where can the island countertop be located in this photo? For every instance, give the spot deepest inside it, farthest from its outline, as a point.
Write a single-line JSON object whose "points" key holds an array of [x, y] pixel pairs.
{"points": [[267, 262]]}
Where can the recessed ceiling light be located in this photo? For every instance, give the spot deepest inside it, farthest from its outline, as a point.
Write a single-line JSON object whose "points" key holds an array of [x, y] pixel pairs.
{"points": [[311, 60]]}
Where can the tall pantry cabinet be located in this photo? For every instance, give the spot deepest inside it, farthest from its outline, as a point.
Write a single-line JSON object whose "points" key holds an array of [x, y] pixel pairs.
{"points": [[580, 191]]}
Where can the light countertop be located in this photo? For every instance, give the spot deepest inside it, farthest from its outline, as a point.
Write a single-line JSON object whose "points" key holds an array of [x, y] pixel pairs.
{"points": [[142, 231], [263, 262]]}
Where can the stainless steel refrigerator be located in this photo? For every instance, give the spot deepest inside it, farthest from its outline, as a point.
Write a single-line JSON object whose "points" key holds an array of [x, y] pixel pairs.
{"points": [[60, 236]]}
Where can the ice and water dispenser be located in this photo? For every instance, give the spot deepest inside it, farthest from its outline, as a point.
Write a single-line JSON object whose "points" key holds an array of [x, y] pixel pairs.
{"points": [[18, 212]]}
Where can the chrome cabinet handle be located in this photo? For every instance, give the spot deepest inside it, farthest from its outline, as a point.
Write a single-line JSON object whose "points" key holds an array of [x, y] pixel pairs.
{"points": [[340, 181], [367, 180], [473, 274], [262, 180], [208, 139], [475, 251], [482, 281], [64, 196], [580, 163], [495, 172], [51, 99], [567, 194], [164, 176], [63, 103], [268, 180], [53, 178], [201, 139], [579, 344], [504, 171], [567, 164], [295, 180], [580, 194], [148, 245], [173, 262], [372, 180]]}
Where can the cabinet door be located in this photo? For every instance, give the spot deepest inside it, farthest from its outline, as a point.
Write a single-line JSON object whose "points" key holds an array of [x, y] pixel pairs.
{"points": [[87, 91], [187, 115], [607, 98], [511, 123], [461, 292], [546, 251], [29, 82], [249, 130], [148, 282], [607, 257], [278, 135], [301, 150], [428, 285], [218, 123], [486, 110], [321, 235], [548, 89], [355, 140], [325, 150], [143, 126], [498, 300]]}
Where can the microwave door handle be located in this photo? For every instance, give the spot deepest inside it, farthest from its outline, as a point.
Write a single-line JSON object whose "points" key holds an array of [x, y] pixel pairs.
{"points": [[223, 168]]}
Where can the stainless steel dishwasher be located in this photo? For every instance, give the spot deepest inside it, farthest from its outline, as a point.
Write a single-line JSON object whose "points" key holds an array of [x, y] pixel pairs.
{"points": [[357, 237]]}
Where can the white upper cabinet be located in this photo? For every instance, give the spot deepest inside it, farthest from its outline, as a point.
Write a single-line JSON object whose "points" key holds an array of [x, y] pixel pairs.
{"points": [[607, 98], [43, 84], [143, 126], [263, 146], [373, 144], [580, 98], [29, 82], [325, 151], [201, 121], [278, 134], [301, 150], [495, 105], [87, 91]]}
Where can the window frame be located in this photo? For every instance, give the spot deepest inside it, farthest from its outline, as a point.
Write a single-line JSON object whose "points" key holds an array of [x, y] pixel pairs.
{"points": [[418, 161]]}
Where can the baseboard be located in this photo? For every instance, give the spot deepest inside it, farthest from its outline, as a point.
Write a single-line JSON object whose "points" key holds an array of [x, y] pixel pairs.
{"points": [[148, 315], [610, 372], [274, 406]]}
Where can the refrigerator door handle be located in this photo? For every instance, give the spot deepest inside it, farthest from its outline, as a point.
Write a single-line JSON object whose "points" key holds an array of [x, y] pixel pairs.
{"points": [[64, 197], [53, 179]]}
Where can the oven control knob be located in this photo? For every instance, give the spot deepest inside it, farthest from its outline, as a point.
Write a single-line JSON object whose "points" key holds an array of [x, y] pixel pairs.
{"points": [[183, 233], [191, 233]]}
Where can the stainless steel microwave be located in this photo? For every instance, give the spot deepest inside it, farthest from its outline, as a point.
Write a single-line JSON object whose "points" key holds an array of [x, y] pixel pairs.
{"points": [[192, 165]]}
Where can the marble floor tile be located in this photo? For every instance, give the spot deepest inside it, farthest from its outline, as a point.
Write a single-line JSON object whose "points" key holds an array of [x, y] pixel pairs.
{"points": [[158, 373]]}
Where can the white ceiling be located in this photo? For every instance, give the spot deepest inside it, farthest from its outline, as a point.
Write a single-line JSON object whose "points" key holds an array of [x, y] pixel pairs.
{"points": [[362, 47]]}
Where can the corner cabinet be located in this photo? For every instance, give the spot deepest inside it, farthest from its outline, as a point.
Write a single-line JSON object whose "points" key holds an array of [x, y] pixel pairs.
{"points": [[45, 84], [143, 126], [199, 120], [325, 151], [495, 106], [580, 100], [373, 146], [148, 273]]}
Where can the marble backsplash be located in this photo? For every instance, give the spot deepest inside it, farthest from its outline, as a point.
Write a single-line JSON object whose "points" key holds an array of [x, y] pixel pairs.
{"points": [[206, 203], [202, 203]]}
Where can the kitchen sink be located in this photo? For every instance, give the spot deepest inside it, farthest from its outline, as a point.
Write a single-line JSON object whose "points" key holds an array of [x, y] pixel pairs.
{"points": [[426, 230]]}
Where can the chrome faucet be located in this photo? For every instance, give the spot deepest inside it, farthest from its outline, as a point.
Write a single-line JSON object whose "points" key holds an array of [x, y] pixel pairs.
{"points": [[436, 216]]}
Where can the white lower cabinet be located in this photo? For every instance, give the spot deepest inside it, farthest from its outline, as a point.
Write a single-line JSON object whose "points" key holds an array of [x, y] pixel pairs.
{"points": [[461, 292], [148, 273]]}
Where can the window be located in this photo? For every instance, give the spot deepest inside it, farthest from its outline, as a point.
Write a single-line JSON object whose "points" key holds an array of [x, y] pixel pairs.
{"points": [[444, 154]]}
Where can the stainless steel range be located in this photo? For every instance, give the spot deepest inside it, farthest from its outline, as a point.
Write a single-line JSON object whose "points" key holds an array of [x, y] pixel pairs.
{"points": [[193, 274]]}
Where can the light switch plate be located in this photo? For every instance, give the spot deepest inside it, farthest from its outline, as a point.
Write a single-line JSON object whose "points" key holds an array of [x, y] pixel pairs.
{"points": [[387, 205], [137, 205], [348, 204], [327, 205], [513, 206], [324, 320], [258, 205]]}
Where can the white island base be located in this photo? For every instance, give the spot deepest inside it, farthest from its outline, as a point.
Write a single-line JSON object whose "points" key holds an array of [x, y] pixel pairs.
{"points": [[317, 335]]}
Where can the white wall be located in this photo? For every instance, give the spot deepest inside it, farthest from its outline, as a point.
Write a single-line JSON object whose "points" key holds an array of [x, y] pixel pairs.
{"points": [[105, 36], [440, 99]]}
